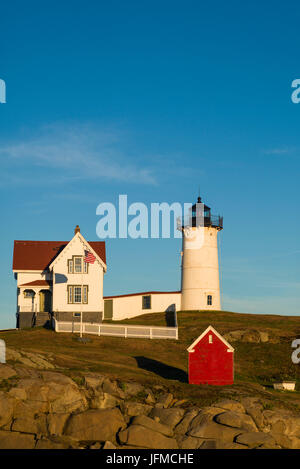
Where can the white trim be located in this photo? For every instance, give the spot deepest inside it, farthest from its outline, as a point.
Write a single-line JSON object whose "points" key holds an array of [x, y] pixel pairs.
{"points": [[210, 328], [88, 247], [33, 271]]}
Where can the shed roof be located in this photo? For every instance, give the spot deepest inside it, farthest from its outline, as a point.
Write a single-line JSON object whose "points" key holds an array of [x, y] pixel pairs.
{"points": [[209, 329]]}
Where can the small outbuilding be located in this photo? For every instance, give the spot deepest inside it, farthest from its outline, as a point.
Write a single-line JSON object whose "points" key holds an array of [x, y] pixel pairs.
{"points": [[211, 359]]}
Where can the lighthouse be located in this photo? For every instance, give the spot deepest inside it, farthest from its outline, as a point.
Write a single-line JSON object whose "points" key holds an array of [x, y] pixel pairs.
{"points": [[200, 285]]}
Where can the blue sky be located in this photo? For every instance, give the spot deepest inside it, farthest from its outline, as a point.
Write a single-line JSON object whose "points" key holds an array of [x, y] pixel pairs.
{"points": [[153, 99]]}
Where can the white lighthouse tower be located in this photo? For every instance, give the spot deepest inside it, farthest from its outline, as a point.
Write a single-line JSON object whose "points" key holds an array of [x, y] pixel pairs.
{"points": [[200, 286]]}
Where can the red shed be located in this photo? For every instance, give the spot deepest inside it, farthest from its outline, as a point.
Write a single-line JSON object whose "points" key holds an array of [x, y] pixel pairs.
{"points": [[210, 359]]}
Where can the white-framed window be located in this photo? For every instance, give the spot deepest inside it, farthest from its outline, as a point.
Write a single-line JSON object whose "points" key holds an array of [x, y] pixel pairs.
{"points": [[78, 294], [76, 315], [77, 265], [210, 339], [209, 300]]}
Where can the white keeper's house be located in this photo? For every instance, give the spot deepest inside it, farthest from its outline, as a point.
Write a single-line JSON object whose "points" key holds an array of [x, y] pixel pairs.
{"points": [[64, 279]]}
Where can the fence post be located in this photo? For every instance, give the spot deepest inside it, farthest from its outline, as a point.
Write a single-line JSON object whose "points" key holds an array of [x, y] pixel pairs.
{"points": [[125, 332], [176, 333], [150, 332], [99, 331]]}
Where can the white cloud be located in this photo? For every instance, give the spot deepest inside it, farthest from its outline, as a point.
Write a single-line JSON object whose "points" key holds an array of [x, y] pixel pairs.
{"points": [[76, 152], [277, 151]]}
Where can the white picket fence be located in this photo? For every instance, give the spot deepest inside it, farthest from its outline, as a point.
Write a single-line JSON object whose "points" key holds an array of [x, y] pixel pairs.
{"points": [[117, 330]]}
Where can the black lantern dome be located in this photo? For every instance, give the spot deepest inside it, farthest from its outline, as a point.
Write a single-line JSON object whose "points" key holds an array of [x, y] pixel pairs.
{"points": [[215, 221]]}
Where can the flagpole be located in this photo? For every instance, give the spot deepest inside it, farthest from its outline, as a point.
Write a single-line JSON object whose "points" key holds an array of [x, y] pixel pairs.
{"points": [[81, 301]]}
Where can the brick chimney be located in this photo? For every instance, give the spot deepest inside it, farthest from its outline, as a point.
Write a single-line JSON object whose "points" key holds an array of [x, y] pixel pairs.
{"points": [[77, 229]]}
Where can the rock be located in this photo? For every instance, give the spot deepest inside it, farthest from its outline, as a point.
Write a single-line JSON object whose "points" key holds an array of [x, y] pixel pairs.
{"points": [[56, 423], [247, 335], [12, 354], [111, 387], [286, 442], [35, 389], [31, 424], [96, 446], [209, 444], [229, 404], [60, 397], [180, 402], [49, 444], [109, 445], [170, 417], [94, 381], [213, 430], [255, 439], [251, 336], [135, 408], [95, 425], [189, 442], [165, 400], [221, 445], [6, 409], [58, 378], [183, 426], [150, 399], [132, 389], [37, 360], [104, 401], [264, 336], [147, 422], [6, 371], [236, 420], [65, 398], [18, 393], [204, 416], [253, 408], [25, 372], [136, 435], [29, 408], [15, 440], [281, 421], [59, 392]]}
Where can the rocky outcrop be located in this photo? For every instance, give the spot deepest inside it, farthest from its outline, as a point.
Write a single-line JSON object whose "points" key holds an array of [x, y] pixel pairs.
{"points": [[248, 335], [45, 409]]}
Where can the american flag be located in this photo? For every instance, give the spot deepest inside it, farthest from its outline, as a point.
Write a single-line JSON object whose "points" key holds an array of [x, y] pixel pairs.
{"points": [[89, 258]]}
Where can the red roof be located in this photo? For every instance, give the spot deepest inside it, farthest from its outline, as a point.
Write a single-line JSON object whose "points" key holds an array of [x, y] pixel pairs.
{"points": [[37, 283], [38, 255], [141, 293]]}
